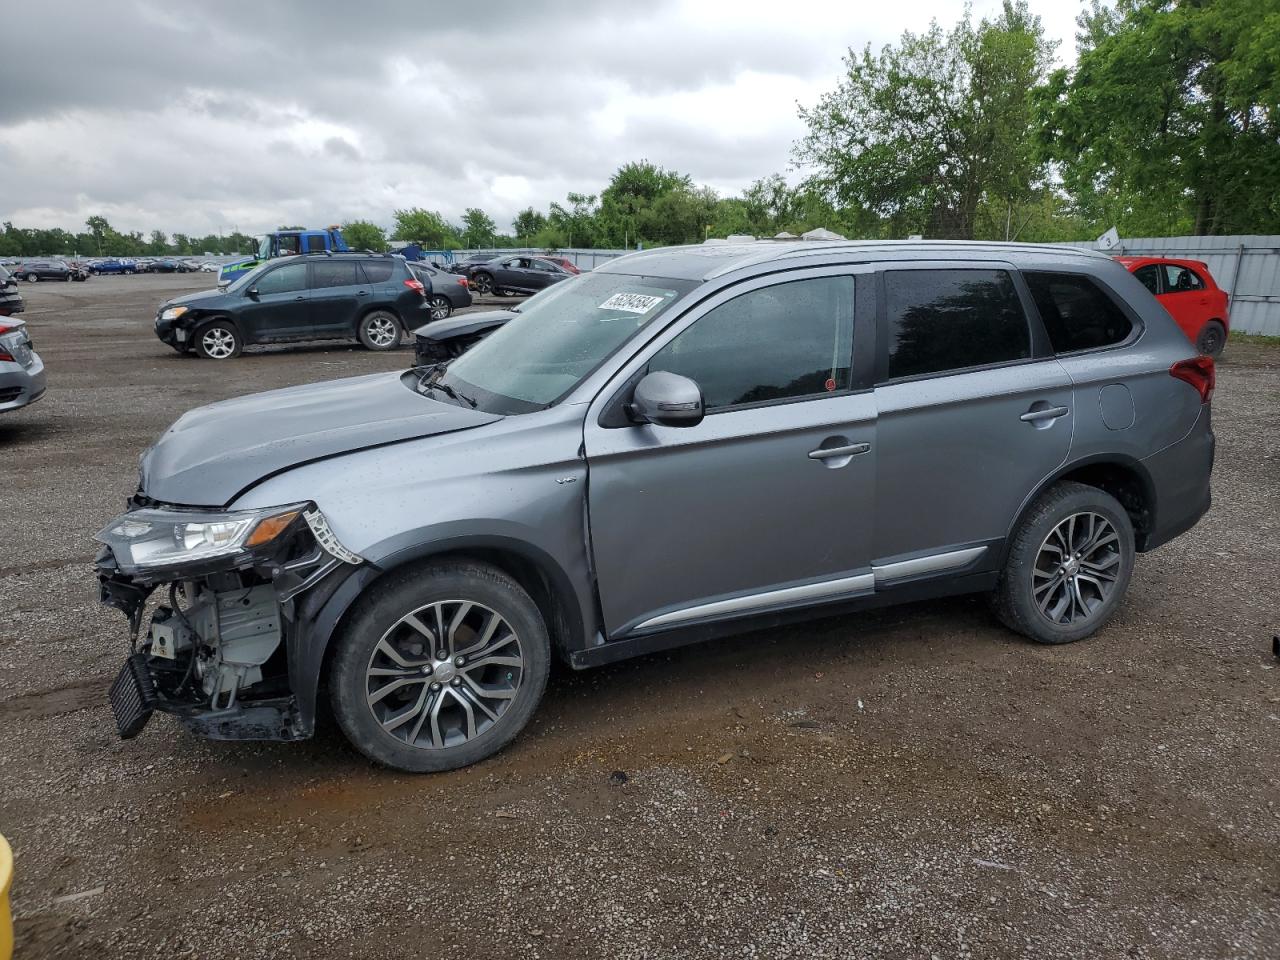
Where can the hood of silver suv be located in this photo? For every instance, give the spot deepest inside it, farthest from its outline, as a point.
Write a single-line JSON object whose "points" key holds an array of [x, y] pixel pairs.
{"points": [[213, 453]]}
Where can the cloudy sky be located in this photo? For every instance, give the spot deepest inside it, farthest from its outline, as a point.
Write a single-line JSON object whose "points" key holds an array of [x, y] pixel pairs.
{"points": [[206, 117]]}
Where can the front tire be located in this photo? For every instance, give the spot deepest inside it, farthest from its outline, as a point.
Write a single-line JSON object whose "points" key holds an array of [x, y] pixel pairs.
{"points": [[439, 667], [218, 340], [482, 283], [1069, 565], [379, 330], [32, 277], [1212, 339]]}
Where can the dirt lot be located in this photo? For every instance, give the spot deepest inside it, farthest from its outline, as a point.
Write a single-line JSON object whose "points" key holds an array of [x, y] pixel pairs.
{"points": [[912, 783]]}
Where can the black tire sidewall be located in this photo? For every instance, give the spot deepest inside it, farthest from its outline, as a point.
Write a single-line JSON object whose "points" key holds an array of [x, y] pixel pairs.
{"points": [[197, 340], [385, 603], [1213, 326], [362, 331], [1014, 598]]}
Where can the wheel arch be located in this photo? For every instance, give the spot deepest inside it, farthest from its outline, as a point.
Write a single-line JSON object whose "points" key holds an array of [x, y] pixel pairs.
{"points": [[541, 576], [1122, 477]]}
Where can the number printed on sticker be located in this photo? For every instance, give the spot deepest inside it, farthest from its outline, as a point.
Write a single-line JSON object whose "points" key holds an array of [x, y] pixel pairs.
{"points": [[631, 302]]}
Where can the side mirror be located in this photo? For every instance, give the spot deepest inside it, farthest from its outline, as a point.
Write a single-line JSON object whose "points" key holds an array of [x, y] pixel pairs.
{"points": [[667, 399], [252, 293]]}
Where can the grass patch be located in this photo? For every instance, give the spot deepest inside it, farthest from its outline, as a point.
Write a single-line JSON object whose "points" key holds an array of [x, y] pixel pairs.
{"points": [[1260, 339]]}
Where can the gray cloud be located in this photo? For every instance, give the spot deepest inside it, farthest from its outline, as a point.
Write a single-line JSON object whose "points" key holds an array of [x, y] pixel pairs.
{"points": [[247, 115]]}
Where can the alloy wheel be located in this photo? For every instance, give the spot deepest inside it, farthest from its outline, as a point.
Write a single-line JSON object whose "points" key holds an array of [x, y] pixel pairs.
{"points": [[1076, 568], [219, 343], [444, 674], [482, 283], [440, 308], [383, 331]]}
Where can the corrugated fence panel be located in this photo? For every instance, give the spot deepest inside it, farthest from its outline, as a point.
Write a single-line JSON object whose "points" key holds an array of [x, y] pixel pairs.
{"points": [[1247, 267]]}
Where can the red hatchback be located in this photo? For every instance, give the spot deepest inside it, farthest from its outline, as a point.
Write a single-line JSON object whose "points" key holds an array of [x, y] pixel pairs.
{"points": [[1187, 290]]}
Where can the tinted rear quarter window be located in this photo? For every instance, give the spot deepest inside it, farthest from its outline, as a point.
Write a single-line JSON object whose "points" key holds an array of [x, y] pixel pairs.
{"points": [[1150, 277], [377, 271], [1077, 313], [940, 320]]}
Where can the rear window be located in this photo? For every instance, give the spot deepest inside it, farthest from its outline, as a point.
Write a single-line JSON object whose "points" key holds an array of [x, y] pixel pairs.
{"points": [[1077, 313], [333, 273], [941, 320], [377, 271]]}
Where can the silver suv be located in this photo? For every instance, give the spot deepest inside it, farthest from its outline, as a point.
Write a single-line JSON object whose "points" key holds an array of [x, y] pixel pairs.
{"points": [[684, 442]]}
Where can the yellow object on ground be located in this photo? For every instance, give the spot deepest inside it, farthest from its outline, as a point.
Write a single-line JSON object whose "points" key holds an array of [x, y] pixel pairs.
{"points": [[6, 919]]}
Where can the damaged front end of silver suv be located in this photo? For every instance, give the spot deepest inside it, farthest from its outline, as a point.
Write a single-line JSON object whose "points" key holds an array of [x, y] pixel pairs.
{"points": [[225, 644]]}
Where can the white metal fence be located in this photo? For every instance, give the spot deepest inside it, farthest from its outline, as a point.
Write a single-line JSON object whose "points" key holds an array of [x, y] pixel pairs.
{"points": [[1247, 267]]}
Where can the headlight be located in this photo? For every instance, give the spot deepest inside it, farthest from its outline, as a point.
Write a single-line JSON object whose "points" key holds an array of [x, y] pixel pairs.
{"points": [[173, 313], [164, 537]]}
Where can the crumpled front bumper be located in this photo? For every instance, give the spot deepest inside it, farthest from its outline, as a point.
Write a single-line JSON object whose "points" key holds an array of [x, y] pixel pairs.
{"points": [[303, 574]]}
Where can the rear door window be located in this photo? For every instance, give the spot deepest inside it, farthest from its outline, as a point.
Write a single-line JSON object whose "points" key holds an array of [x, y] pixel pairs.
{"points": [[1179, 279], [781, 342], [333, 273], [943, 320], [377, 271], [1077, 313]]}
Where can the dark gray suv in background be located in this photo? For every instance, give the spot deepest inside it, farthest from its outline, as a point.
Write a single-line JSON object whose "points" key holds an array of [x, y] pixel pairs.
{"points": [[684, 442]]}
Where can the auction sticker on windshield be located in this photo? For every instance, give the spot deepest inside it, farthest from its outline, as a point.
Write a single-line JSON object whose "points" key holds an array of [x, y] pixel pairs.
{"points": [[631, 302]]}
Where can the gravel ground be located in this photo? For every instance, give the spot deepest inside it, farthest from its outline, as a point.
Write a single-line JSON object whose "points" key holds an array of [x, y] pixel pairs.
{"points": [[914, 782]]}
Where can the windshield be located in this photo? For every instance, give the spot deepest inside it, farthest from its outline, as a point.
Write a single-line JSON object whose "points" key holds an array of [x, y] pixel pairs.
{"points": [[558, 339]]}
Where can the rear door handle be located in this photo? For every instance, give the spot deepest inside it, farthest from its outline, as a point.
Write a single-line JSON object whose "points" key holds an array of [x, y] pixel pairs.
{"points": [[826, 453], [1048, 413], [362, 293]]}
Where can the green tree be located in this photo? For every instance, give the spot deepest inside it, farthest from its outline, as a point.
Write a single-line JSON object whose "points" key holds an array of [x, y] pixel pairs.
{"points": [[577, 225], [1170, 120], [100, 230], [478, 228], [923, 133], [425, 227], [527, 224], [159, 243], [364, 235]]}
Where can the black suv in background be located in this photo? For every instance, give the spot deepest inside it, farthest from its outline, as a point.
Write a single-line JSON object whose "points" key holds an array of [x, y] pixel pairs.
{"points": [[372, 298], [33, 270]]}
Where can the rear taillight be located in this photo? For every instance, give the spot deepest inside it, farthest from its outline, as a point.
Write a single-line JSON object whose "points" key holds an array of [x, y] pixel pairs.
{"points": [[416, 285], [5, 354], [1199, 372], [462, 281]]}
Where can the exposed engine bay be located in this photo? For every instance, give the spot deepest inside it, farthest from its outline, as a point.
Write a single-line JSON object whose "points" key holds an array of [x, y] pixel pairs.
{"points": [[215, 651]]}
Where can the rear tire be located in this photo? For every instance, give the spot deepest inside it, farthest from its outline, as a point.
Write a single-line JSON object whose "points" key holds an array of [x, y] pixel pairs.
{"points": [[1212, 339], [440, 307], [32, 277], [380, 330], [1069, 565], [476, 708], [218, 340]]}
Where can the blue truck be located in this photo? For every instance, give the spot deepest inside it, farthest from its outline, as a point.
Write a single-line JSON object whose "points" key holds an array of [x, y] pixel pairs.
{"points": [[284, 243]]}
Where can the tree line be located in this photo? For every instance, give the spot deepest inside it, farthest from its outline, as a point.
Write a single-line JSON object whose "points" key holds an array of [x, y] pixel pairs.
{"points": [[1167, 124]]}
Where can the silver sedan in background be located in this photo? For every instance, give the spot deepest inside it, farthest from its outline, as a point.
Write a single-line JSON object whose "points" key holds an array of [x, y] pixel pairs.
{"points": [[22, 379]]}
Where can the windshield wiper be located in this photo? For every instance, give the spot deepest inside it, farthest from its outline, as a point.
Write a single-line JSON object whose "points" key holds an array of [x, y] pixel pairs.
{"points": [[425, 382]]}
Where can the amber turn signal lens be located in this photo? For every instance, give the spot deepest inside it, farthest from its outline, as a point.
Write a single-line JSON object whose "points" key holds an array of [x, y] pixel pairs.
{"points": [[270, 528]]}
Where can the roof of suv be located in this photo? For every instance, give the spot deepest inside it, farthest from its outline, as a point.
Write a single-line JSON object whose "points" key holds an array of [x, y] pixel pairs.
{"points": [[706, 261]]}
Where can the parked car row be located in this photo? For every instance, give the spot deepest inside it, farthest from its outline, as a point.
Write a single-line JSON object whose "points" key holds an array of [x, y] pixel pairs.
{"points": [[22, 379], [59, 268]]}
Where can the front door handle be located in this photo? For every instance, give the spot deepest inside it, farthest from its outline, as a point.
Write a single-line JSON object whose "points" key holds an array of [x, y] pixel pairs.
{"points": [[826, 453], [1048, 413], [362, 293]]}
